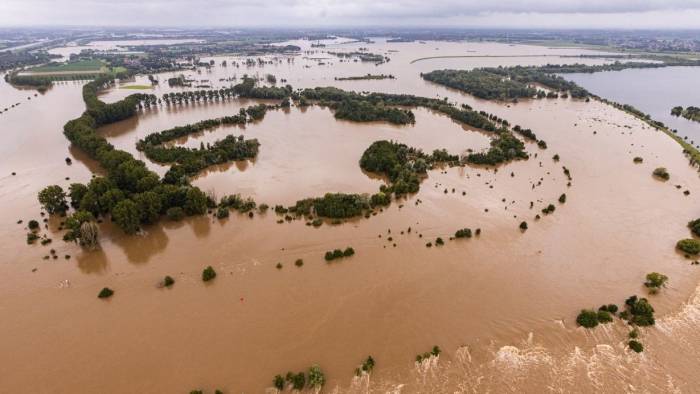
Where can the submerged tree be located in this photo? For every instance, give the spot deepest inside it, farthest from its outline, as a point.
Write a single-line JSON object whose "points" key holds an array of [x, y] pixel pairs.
{"points": [[655, 281], [89, 235], [53, 199], [316, 377]]}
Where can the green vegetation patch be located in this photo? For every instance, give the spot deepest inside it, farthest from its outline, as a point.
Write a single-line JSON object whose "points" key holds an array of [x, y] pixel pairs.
{"points": [[208, 274], [505, 83], [689, 246], [80, 66], [661, 173], [365, 77], [427, 355], [137, 87], [105, 293], [655, 281], [690, 113], [338, 254]]}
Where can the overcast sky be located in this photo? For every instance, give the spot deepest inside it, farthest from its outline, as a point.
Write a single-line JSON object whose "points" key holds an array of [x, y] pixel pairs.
{"points": [[329, 13]]}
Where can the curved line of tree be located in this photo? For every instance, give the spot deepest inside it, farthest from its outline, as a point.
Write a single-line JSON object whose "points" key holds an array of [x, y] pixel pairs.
{"points": [[132, 195]]}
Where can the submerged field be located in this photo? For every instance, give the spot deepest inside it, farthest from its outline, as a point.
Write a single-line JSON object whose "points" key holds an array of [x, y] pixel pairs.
{"points": [[79, 66], [501, 305]]}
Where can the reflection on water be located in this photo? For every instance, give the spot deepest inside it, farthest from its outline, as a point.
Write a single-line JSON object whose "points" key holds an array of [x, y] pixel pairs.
{"points": [[501, 305], [143, 247], [92, 261]]}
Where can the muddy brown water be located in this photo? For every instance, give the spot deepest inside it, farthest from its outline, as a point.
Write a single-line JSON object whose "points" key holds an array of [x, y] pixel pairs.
{"points": [[501, 305]]}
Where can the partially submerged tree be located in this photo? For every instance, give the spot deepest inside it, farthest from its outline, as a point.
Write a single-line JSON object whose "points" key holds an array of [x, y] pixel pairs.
{"points": [[53, 199], [655, 281], [661, 173]]}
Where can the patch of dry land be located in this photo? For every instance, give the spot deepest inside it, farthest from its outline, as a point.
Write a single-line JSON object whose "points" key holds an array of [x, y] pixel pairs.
{"points": [[501, 305]]}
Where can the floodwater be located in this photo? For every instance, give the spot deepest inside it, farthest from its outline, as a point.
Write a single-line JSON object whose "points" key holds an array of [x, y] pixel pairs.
{"points": [[501, 305], [112, 45], [654, 92]]}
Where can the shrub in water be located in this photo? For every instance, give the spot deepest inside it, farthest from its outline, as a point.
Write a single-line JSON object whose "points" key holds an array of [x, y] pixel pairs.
{"points": [[366, 366], [661, 173], [222, 213], [105, 293], [587, 318], [463, 233], [278, 382], [636, 346], [316, 377], [689, 246], [604, 317], [655, 281], [298, 380], [31, 238], [208, 274]]}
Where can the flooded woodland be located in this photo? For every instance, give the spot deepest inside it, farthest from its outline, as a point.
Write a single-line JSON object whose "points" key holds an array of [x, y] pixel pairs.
{"points": [[501, 305]]}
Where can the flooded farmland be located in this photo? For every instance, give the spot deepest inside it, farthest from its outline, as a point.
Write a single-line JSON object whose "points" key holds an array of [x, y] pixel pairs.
{"points": [[501, 305], [653, 91]]}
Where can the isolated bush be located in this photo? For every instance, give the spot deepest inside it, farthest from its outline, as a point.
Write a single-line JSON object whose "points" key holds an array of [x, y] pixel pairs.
{"points": [[636, 346], [105, 293], [208, 274], [689, 246], [367, 366], [655, 281], [33, 225], [661, 173]]}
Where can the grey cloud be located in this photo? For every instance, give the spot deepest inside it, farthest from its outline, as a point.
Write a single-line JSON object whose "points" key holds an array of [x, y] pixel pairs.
{"points": [[334, 12]]}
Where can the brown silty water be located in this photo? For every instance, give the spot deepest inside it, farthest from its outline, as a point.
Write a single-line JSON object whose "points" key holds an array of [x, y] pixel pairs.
{"points": [[502, 305]]}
